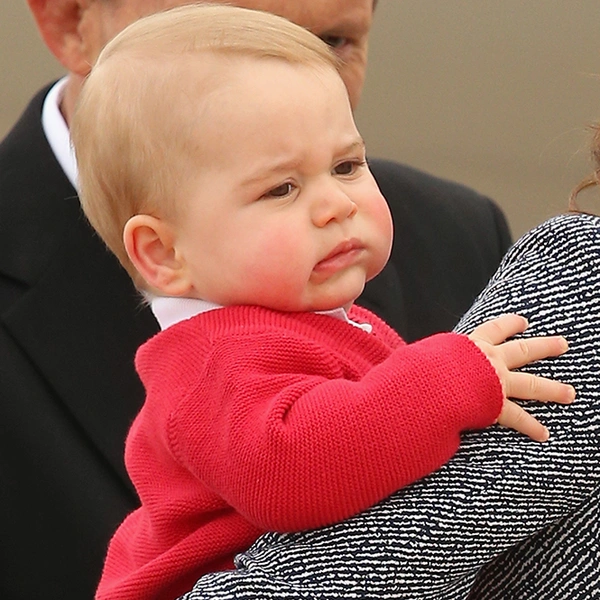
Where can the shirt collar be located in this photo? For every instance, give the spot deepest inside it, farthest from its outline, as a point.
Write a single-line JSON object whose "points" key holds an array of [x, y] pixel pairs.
{"points": [[57, 132], [171, 310]]}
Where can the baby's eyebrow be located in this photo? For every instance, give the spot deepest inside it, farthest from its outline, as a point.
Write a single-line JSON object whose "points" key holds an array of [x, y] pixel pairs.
{"points": [[269, 169], [358, 144]]}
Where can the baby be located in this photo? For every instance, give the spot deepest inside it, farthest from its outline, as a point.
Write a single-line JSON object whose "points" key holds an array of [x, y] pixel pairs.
{"points": [[219, 160]]}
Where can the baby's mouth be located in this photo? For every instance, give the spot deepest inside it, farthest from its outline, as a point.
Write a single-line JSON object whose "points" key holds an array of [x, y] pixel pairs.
{"points": [[343, 255]]}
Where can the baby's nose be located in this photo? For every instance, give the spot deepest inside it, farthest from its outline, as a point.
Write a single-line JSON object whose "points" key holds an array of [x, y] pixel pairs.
{"points": [[333, 205]]}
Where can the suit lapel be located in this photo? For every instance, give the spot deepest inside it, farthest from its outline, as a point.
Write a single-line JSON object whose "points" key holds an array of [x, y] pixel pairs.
{"points": [[80, 324], [73, 310]]}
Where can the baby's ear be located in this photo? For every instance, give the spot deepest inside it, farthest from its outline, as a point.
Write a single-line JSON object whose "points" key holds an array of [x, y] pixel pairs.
{"points": [[149, 242]]}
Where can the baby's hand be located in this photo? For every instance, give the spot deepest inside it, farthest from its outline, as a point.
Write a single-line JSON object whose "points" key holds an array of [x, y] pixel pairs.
{"points": [[504, 356]]}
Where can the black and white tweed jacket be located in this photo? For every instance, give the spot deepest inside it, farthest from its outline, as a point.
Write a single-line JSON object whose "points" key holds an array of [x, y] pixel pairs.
{"points": [[506, 518]]}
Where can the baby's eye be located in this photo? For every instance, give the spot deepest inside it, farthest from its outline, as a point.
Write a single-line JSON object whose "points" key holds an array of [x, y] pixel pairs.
{"points": [[281, 191], [348, 167]]}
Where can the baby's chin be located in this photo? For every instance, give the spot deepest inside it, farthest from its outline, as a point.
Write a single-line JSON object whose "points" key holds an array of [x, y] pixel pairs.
{"points": [[320, 305], [344, 301], [339, 294]]}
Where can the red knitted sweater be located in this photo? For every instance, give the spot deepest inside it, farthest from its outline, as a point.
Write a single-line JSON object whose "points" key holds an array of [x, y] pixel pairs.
{"points": [[258, 420]]}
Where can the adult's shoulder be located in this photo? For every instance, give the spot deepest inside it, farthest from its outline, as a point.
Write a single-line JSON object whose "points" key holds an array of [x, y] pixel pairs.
{"points": [[29, 171], [448, 241], [391, 175], [418, 196], [26, 132], [37, 201]]}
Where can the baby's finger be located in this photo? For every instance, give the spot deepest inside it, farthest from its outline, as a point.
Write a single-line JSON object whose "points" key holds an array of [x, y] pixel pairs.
{"points": [[517, 353], [530, 387], [497, 330], [514, 417]]}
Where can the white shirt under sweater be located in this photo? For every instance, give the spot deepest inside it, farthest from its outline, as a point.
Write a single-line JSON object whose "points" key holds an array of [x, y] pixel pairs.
{"points": [[169, 310]]}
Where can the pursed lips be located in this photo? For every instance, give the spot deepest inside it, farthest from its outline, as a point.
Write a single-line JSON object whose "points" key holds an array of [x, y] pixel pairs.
{"points": [[342, 256]]}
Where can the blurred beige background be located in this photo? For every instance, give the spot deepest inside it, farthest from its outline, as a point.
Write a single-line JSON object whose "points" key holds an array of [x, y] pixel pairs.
{"points": [[496, 94]]}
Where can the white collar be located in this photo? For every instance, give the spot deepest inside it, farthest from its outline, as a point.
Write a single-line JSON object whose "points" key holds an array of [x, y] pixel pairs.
{"points": [[171, 310], [57, 132], [342, 315]]}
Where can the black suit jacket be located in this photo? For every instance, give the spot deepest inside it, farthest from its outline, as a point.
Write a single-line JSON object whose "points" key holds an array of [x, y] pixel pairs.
{"points": [[70, 322]]}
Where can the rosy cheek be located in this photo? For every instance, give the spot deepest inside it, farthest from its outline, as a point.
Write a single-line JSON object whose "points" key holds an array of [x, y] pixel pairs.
{"points": [[276, 273], [382, 217], [382, 227], [281, 251]]}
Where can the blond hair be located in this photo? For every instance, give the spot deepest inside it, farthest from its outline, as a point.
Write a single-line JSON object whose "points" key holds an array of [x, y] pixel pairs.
{"points": [[133, 136]]}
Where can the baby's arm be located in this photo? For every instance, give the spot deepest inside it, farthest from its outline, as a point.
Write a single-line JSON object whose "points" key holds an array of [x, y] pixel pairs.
{"points": [[293, 450]]}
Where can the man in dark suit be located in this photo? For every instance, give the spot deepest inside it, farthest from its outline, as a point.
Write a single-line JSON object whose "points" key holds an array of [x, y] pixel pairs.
{"points": [[70, 320]]}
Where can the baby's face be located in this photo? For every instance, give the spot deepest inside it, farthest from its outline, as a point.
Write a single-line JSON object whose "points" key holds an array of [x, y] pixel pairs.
{"points": [[283, 211]]}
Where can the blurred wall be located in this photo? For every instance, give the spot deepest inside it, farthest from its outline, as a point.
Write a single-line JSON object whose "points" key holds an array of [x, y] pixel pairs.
{"points": [[25, 63], [496, 95]]}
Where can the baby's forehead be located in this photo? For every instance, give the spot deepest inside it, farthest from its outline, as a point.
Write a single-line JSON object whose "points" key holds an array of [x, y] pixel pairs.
{"points": [[212, 74]]}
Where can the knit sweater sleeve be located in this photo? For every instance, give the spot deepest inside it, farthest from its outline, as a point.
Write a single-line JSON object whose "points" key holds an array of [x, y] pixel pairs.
{"points": [[293, 442]]}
